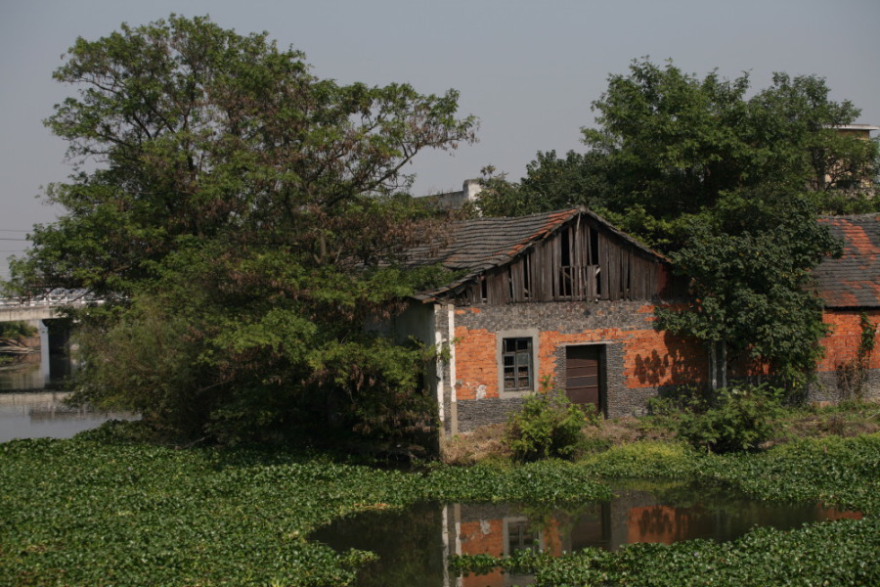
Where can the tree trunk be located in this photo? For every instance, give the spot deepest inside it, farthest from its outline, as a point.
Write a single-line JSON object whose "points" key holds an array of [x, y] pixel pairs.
{"points": [[723, 363], [713, 366]]}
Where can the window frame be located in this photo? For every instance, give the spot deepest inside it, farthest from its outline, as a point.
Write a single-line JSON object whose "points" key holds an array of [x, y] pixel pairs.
{"points": [[530, 337]]}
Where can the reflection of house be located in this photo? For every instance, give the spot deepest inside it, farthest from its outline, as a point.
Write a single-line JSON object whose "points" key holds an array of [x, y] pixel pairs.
{"points": [[564, 299], [634, 516]]}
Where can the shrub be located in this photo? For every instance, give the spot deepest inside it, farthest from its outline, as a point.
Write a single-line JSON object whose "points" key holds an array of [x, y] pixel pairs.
{"points": [[549, 425], [736, 419]]}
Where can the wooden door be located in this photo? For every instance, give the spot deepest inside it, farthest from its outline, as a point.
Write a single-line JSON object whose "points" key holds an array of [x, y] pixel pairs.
{"points": [[583, 375]]}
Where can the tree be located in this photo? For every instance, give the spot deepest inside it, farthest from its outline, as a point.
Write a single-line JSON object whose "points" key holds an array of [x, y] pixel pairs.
{"points": [[675, 143], [244, 218], [551, 183], [667, 144], [750, 268], [730, 186]]}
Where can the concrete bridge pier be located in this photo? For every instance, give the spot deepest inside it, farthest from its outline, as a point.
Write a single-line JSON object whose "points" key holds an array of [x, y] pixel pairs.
{"points": [[55, 360]]}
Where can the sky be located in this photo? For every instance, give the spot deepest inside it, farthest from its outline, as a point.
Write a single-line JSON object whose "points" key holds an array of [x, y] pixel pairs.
{"points": [[529, 70]]}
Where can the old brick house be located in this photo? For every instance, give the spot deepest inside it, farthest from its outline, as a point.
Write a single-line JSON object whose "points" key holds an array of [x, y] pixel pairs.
{"points": [[564, 300], [850, 289]]}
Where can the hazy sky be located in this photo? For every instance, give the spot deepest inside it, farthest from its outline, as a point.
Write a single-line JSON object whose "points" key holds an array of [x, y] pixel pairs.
{"points": [[527, 70]]}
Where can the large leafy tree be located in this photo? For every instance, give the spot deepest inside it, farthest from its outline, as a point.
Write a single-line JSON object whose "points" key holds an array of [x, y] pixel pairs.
{"points": [[667, 144], [749, 265], [730, 186], [243, 215]]}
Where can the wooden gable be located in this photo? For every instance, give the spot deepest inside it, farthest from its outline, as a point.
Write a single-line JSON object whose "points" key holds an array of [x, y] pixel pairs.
{"points": [[581, 260]]}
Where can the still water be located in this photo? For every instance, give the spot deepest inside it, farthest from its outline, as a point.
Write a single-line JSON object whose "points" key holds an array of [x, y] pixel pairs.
{"points": [[415, 545], [41, 414]]}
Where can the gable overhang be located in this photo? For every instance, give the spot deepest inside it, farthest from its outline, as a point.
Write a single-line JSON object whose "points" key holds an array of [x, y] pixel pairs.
{"points": [[555, 222]]}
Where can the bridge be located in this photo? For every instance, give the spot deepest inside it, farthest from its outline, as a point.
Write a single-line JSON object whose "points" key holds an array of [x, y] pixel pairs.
{"points": [[54, 335], [43, 308]]}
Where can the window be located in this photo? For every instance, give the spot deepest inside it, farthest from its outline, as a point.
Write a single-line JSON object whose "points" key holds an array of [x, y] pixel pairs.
{"points": [[517, 364], [521, 536]]}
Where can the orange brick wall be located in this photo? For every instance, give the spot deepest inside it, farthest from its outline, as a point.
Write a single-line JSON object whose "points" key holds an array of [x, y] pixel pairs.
{"points": [[639, 360], [476, 363], [475, 541], [652, 359], [842, 345]]}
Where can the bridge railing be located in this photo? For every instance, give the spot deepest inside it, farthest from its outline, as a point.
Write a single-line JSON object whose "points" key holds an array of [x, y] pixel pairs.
{"points": [[53, 299]]}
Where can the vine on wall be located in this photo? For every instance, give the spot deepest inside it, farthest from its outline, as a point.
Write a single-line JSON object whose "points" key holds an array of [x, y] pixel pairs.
{"points": [[852, 375]]}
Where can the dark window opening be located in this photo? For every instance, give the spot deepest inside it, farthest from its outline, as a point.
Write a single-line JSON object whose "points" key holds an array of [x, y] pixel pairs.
{"points": [[565, 271], [594, 247], [520, 536], [517, 364]]}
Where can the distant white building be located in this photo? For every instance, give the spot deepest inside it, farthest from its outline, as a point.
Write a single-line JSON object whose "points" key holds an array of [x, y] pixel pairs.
{"points": [[456, 200]]}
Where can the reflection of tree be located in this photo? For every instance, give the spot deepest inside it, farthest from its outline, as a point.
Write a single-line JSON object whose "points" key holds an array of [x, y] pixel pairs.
{"points": [[409, 544], [15, 345]]}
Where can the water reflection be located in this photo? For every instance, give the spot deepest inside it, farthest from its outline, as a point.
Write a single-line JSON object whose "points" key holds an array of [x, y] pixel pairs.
{"points": [[44, 414], [29, 376], [415, 545]]}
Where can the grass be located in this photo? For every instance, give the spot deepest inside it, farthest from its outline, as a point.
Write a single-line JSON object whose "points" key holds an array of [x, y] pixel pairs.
{"points": [[101, 510], [846, 420]]}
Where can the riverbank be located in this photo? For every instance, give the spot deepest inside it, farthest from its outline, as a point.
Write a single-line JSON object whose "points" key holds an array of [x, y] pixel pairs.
{"points": [[97, 510]]}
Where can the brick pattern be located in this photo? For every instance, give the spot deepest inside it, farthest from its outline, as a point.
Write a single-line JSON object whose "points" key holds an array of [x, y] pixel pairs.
{"points": [[639, 360], [841, 349], [483, 537], [476, 363], [842, 345]]}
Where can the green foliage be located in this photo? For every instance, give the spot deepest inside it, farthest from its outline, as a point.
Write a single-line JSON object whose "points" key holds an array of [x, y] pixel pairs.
{"points": [[737, 419], [750, 267], [645, 459], [551, 183], [548, 425], [670, 140], [544, 481], [868, 340], [836, 471], [818, 554], [94, 511], [852, 374], [728, 185], [96, 514], [243, 219], [674, 143], [17, 330]]}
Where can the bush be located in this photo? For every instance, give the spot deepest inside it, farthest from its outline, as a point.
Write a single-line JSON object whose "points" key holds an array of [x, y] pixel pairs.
{"points": [[736, 419], [549, 425]]}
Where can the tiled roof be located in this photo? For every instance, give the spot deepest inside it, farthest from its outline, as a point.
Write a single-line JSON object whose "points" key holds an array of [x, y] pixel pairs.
{"points": [[853, 280], [473, 246]]}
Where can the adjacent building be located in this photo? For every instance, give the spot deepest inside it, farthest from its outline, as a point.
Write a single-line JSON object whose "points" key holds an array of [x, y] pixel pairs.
{"points": [[565, 301]]}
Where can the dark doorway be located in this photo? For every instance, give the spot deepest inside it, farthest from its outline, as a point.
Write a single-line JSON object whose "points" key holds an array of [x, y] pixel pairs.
{"points": [[584, 376]]}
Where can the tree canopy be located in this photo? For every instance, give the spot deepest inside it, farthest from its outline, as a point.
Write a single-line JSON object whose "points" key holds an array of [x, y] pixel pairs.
{"points": [[729, 185], [245, 217], [667, 144]]}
